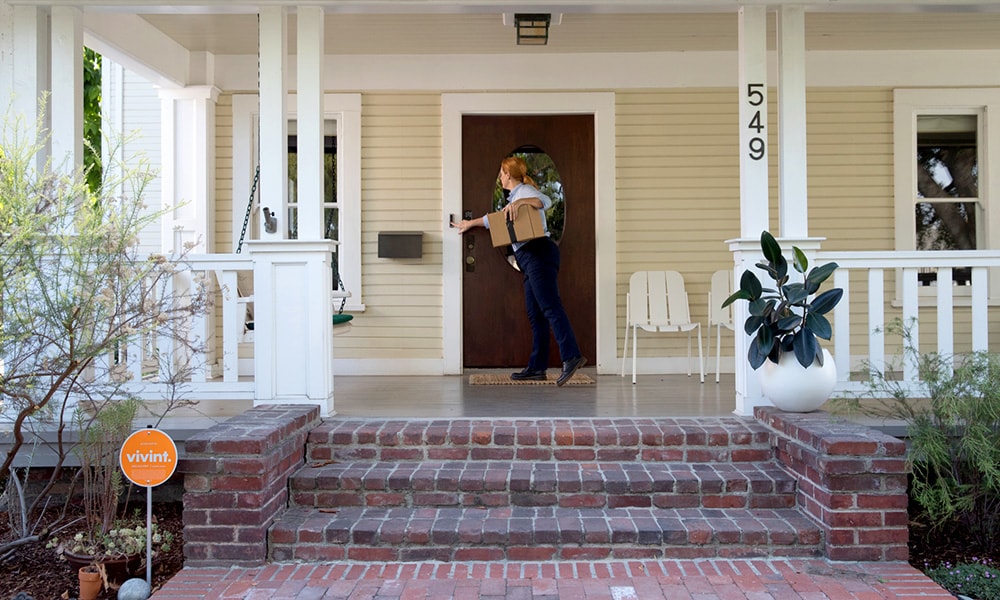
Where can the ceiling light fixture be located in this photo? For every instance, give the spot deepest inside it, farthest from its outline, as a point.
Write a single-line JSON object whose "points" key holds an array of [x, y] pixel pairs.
{"points": [[532, 28]]}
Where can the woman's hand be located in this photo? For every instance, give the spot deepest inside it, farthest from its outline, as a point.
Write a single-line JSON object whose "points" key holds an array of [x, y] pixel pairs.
{"points": [[510, 211], [466, 224]]}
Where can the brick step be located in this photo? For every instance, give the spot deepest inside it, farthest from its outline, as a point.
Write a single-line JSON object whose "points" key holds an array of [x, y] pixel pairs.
{"points": [[564, 484], [694, 440], [539, 533]]}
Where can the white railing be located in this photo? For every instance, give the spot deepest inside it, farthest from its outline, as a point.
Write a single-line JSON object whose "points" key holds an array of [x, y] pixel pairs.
{"points": [[212, 371], [883, 287]]}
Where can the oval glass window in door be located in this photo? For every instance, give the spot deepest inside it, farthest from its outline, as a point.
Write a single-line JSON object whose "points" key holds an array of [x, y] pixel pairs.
{"points": [[543, 170]]}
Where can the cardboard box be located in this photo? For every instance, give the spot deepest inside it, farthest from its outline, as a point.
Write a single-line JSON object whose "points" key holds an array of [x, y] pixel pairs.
{"points": [[526, 226]]}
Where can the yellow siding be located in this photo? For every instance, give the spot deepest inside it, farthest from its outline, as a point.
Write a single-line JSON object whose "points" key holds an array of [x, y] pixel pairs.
{"points": [[224, 175], [678, 194], [850, 168], [401, 191]]}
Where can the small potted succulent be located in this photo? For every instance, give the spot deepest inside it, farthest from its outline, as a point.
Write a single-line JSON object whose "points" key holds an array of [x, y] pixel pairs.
{"points": [[786, 320]]}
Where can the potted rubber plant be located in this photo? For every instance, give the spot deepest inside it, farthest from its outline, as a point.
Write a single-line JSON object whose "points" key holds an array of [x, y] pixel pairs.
{"points": [[786, 322]]}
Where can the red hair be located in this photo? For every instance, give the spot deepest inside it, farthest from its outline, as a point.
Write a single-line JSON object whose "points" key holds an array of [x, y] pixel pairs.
{"points": [[517, 169]]}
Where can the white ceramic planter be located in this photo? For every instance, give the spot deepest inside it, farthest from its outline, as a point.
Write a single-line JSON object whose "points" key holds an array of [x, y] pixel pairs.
{"points": [[794, 388]]}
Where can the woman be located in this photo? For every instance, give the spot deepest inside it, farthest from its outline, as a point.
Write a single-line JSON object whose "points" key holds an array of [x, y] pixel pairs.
{"points": [[538, 260]]}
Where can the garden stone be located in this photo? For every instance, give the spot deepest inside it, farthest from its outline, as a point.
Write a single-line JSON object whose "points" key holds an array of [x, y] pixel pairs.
{"points": [[134, 589]]}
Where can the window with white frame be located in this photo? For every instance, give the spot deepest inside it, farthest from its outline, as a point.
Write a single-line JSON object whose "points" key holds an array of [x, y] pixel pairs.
{"points": [[943, 192], [342, 159]]}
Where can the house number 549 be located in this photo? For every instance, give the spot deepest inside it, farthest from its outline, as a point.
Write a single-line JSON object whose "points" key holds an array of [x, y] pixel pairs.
{"points": [[755, 96]]}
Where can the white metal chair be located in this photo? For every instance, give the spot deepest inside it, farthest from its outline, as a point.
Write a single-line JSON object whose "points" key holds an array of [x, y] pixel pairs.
{"points": [[722, 288], [658, 302]]}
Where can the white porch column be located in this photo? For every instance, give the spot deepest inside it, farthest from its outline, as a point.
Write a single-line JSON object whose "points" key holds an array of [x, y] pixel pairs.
{"points": [[188, 167], [6, 50], [792, 188], [293, 312], [310, 123], [753, 184], [273, 159], [66, 105], [29, 42]]}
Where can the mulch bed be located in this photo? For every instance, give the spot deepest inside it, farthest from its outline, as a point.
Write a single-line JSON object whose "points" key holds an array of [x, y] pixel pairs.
{"points": [[38, 572]]}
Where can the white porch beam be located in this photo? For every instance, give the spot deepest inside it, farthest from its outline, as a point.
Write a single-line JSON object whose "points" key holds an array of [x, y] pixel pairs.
{"points": [[188, 167], [273, 159], [753, 184], [793, 205], [309, 100], [66, 106], [139, 47]]}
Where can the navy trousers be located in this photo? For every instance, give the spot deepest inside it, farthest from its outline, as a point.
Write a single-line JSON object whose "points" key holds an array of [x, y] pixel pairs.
{"points": [[539, 262]]}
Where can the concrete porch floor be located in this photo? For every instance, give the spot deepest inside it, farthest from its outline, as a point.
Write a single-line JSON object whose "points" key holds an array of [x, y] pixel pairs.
{"points": [[611, 396]]}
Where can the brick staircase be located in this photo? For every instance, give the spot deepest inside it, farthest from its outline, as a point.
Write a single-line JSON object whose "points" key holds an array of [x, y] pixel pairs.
{"points": [[780, 485], [541, 490]]}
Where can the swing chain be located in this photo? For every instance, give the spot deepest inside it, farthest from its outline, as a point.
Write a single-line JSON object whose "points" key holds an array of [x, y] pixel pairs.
{"points": [[246, 218]]}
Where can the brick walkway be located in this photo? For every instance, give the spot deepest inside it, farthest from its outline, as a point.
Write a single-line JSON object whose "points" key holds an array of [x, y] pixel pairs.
{"points": [[620, 580]]}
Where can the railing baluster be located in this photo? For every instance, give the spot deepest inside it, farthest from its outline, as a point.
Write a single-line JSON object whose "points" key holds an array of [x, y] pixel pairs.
{"points": [[911, 308], [980, 309], [945, 317], [842, 326], [876, 319]]}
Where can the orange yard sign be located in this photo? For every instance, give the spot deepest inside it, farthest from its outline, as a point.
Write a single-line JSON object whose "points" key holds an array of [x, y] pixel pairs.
{"points": [[148, 457]]}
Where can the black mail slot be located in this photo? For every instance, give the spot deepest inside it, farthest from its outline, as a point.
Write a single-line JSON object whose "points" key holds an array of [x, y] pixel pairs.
{"points": [[400, 244]]}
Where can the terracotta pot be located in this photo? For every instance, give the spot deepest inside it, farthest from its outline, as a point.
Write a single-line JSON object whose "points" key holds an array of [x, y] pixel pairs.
{"points": [[117, 569], [793, 388], [90, 582]]}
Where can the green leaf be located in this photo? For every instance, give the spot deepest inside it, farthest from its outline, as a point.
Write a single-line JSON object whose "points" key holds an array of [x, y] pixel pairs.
{"points": [[799, 257], [754, 355], [787, 324], [780, 270], [740, 295], [826, 301], [752, 324], [769, 247], [795, 294], [760, 308], [818, 275], [805, 345], [819, 326], [760, 348]]}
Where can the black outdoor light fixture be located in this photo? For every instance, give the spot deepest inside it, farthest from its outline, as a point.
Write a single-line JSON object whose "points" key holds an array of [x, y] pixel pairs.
{"points": [[532, 28]]}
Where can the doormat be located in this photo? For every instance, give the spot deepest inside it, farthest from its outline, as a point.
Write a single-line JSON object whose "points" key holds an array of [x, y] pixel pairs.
{"points": [[493, 379]]}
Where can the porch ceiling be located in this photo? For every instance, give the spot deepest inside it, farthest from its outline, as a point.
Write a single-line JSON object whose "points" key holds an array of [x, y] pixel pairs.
{"points": [[482, 33]]}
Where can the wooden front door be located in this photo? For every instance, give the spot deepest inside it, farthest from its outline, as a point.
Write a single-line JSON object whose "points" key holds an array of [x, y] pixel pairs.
{"points": [[496, 332]]}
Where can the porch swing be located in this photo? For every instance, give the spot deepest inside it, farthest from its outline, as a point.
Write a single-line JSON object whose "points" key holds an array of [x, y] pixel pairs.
{"points": [[341, 321]]}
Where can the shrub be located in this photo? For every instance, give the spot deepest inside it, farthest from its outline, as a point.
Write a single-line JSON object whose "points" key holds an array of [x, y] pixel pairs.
{"points": [[954, 435], [979, 579]]}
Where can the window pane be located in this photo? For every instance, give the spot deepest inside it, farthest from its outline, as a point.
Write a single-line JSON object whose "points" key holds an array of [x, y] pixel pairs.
{"points": [[946, 226], [329, 190], [947, 156], [543, 170]]}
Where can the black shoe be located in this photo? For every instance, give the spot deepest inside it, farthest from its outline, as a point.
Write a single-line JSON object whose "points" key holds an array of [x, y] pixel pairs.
{"points": [[529, 374], [570, 367]]}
